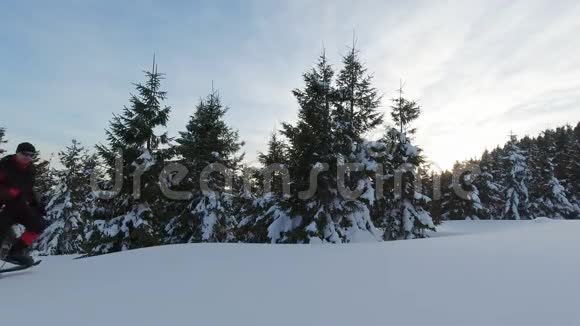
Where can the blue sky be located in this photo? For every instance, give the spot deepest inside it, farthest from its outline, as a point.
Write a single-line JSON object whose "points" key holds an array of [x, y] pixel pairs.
{"points": [[480, 69]]}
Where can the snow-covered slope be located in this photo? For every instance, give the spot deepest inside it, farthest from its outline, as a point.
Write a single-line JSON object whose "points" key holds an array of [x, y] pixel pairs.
{"points": [[513, 273]]}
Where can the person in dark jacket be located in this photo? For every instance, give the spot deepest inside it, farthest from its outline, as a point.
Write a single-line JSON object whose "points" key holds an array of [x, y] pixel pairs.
{"points": [[19, 204]]}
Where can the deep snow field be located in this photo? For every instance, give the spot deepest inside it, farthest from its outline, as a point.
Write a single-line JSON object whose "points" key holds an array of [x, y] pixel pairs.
{"points": [[485, 273]]}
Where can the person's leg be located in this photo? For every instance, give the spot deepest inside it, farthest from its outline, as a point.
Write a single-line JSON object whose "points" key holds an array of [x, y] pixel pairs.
{"points": [[6, 220], [7, 236], [32, 221], [34, 225]]}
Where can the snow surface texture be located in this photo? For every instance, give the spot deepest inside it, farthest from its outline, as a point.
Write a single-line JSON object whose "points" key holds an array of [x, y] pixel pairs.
{"points": [[487, 273]]}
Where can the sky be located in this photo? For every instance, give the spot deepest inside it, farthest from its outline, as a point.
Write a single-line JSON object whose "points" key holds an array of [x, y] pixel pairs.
{"points": [[479, 69]]}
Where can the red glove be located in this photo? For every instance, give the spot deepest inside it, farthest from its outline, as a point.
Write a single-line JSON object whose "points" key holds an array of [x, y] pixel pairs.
{"points": [[14, 192], [28, 237]]}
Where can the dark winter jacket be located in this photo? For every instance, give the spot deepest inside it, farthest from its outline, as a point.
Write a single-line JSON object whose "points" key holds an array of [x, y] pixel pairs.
{"points": [[16, 181]]}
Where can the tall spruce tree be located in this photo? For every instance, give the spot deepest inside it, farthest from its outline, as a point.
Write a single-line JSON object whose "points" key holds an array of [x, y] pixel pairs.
{"points": [[44, 179], [2, 141], [463, 198], [208, 140], [322, 140], [548, 195], [403, 113], [72, 202], [356, 113], [311, 146], [517, 177], [489, 186], [407, 212], [566, 161], [135, 218], [451, 207], [356, 106], [574, 178], [439, 208], [260, 211], [272, 162], [277, 151]]}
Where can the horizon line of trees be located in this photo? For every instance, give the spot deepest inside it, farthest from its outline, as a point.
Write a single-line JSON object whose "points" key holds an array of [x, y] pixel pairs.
{"points": [[526, 178]]}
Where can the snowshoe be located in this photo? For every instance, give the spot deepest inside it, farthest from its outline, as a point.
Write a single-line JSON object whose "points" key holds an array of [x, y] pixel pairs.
{"points": [[7, 238], [18, 268], [19, 255]]}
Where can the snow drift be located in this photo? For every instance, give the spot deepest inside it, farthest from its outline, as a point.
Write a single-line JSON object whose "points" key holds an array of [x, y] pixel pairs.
{"points": [[477, 273]]}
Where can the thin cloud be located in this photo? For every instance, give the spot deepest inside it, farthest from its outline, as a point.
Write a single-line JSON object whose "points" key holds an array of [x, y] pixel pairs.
{"points": [[478, 68]]}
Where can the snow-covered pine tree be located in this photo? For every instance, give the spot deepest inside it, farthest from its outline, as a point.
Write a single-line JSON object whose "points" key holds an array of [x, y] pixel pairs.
{"points": [[355, 107], [489, 187], [277, 154], [71, 204], [44, 179], [312, 217], [135, 218], [566, 160], [407, 214], [548, 197], [517, 177], [438, 208], [548, 166], [431, 183], [2, 141], [459, 207], [318, 149], [574, 178], [260, 211], [355, 114], [450, 205], [208, 216]]}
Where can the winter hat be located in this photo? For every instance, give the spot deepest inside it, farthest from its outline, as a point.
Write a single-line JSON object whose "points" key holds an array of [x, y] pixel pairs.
{"points": [[25, 147]]}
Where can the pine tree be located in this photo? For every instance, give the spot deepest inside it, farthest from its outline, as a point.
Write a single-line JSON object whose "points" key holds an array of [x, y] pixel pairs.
{"points": [[407, 211], [326, 136], [489, 187], [277, 151], [450, 203], [439, 209], [310, 143], [44, 179], [408, 215], [2, 141], [574, 177], [71, 204], [259, 212], [403, 113], [566, 160], [467, 205], [134, 220], [356, 106], [272, 161], [356, 112], [208, 140], [517, 177], [548, 196]]}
